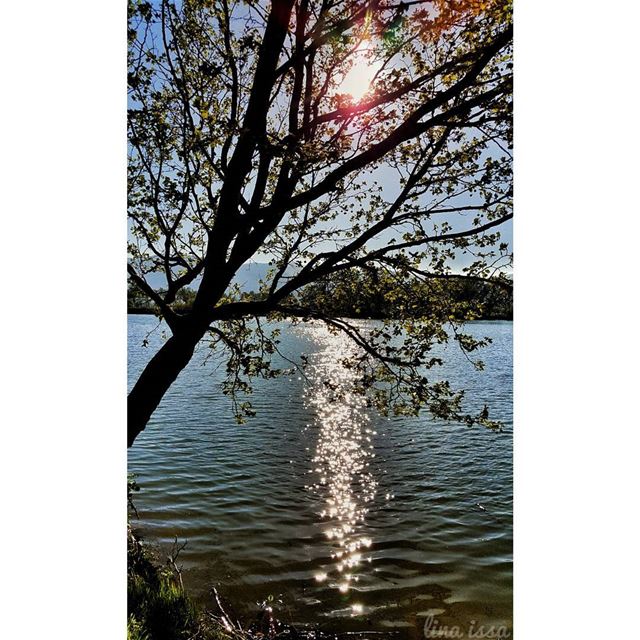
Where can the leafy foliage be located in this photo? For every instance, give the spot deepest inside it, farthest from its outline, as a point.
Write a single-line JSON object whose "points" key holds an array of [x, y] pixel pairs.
{"points": [[245, 143], [374, 293]]}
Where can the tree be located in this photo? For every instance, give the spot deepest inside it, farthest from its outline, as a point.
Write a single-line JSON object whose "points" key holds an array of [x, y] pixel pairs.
{"points": [[328, 136], [374, 293]]}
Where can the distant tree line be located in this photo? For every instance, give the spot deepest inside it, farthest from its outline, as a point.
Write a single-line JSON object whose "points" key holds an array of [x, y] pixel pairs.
{"points": [[374, 293], [140, 302]]}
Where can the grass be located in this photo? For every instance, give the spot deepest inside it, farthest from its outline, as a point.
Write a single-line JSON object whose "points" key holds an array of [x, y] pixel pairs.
{"points": [[157, 606]]}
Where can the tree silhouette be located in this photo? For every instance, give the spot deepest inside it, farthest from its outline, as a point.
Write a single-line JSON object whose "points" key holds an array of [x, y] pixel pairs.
{"points": [[327, 136]]}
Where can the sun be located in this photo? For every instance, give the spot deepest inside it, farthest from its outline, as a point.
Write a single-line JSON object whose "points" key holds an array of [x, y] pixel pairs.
{"points": [[357, 81]]}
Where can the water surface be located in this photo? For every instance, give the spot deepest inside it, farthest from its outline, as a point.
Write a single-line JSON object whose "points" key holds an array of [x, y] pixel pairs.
{"points": [[353, 521]]}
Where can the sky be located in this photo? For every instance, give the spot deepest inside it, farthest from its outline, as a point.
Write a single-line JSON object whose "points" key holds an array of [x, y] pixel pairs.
{"points": [[356, 83]]}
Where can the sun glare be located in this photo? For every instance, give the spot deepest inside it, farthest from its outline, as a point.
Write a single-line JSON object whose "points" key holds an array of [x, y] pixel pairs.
{"points": [[358, 80]]}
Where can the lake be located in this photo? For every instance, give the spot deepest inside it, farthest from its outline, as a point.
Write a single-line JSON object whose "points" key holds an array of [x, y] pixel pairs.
{"points": [[350, 521]]}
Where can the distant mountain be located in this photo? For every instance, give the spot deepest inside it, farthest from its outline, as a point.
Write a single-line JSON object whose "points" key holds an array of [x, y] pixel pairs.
{"points": [[248, 277]]}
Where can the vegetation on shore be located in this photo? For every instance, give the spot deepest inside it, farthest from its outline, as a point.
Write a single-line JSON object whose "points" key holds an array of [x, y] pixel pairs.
{"points": [[157, 606], [376, 294]]}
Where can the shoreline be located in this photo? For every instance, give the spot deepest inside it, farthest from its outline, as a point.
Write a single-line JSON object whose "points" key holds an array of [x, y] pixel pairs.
{"points": [[148, 311]]}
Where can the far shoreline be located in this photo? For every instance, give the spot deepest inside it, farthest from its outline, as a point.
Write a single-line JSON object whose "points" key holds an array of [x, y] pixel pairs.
{"points": [[147, 311]]}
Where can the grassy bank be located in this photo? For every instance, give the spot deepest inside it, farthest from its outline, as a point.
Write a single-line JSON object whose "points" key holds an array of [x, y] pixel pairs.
{"points": [[157, 606]]}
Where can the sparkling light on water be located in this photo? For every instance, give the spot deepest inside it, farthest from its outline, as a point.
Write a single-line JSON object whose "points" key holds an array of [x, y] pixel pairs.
{"points": [[341, 461]]}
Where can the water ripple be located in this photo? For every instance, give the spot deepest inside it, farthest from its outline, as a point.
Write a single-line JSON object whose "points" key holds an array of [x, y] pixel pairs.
{"points": [[354, 520]]}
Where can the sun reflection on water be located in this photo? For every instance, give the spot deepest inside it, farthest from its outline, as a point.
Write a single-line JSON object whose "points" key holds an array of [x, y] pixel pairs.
{"points": [[340, 464]]}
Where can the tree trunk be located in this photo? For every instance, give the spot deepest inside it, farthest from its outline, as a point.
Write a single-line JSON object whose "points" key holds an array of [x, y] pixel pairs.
{"points": [[156, 378]]}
